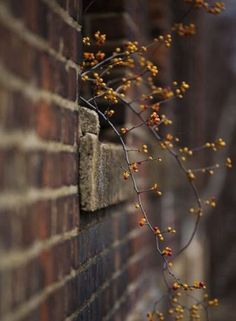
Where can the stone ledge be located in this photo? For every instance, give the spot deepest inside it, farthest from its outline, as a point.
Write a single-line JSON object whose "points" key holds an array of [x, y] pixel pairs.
{"points": [[101, 181], [89, 122]]}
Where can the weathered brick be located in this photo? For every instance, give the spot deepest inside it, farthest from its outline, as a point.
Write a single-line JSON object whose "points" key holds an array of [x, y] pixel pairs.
{"points": [[53, 169], [32, 10], [48, 121], [62, 37], [20, 284], [71, 297], [47, 264], [38, 221], [9, 236], [9, 46], [54, 76], [36, 283], [67, 213], [6, 283], [69, 120], [61, 258], [56, 300], [42, 69], [46, 76], [72, 84], [13, 168], [15, 111]]}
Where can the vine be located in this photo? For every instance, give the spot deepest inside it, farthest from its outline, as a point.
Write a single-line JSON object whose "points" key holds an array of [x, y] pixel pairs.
{"points": [[141, 72]]}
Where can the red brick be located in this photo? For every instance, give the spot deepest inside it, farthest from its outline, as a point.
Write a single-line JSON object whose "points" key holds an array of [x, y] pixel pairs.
{"points": [[40, 214], [72, 89], [62, 37], [43, 312], [41, 69], [52, 169], [45, 70], [10, 46], [31, 12], [69, 121], [55, 300], [62, 259], [55, 77], [16, 112], [48, 121], [66, 211], [46, 261], [8, 236]]}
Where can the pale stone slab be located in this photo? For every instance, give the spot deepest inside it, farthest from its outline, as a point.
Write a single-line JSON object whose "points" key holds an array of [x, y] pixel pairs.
{"points": [[89, 122], [101, 168]]}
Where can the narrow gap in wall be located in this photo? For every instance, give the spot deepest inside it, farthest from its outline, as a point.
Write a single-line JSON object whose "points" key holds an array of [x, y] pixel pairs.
{"points": [[99, 15]]}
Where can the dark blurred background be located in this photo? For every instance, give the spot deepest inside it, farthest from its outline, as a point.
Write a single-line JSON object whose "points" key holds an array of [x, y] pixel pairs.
{"points": [[208, 63]]}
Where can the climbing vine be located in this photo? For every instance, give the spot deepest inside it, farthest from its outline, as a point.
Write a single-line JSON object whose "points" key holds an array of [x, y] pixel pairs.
{"points": [[141, 76]]}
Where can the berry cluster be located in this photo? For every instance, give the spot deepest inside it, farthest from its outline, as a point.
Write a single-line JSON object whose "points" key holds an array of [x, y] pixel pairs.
{"points": [[142, 74]]}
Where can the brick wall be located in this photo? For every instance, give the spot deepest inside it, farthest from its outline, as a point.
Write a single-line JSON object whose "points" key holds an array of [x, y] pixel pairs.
{"points": [[56, 263], [39, 208], [121, 21]]}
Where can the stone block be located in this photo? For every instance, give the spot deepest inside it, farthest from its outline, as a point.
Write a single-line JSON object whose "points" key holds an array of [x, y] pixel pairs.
{"points": [[101, 181]]}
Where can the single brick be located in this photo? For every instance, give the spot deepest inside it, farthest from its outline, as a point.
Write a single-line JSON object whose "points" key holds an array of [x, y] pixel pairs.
{"points": [[51, 169], [48, 121], [11, 46]]}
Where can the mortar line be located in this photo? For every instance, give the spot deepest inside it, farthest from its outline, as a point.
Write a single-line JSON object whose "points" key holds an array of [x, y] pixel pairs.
{"points": [[9, 199], [114, 245], [36, 300], [129, 210], [16, 26], [63, 14], [14, 259], [15, 83], [131, 288], [29, 141], [114, 276]]}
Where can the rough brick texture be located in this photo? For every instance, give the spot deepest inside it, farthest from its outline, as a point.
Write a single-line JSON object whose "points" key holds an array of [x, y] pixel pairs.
{"points": [[40, 51], [56, 263]]}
